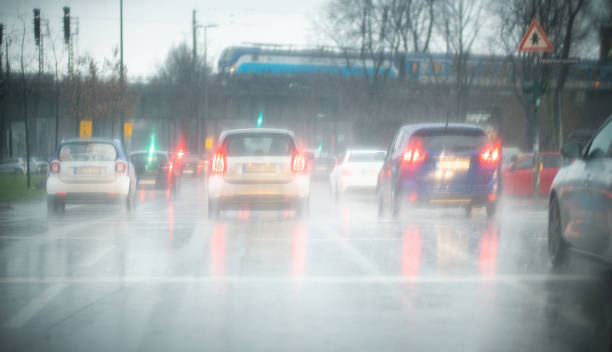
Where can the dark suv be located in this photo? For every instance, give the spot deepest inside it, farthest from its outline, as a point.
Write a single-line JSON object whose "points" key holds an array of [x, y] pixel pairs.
{"points": [[440, 165]]}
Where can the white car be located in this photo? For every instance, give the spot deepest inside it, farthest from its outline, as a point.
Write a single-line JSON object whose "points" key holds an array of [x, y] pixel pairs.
{"points": [[258, 169], [90, 171], [356, 170]]}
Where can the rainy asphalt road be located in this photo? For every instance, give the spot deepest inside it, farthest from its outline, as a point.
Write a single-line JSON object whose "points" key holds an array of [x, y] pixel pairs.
{"points": [[166, 278]]}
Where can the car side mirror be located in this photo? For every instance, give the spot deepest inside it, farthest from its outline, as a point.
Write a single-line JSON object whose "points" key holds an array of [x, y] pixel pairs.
{"points": [[572, 151]]}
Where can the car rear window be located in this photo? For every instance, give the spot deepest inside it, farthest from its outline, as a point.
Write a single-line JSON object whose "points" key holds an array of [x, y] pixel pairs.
{"points": [[451, 138], [366, 157], [80, 151], [551, 161], [146, 162], [259, 144]]}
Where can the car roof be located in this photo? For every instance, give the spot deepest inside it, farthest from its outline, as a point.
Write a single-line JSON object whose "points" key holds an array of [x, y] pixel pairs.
{"points": [[224, 134], [147, 152], [90, 140], [438, 125], [115, 142], [365, 151]]}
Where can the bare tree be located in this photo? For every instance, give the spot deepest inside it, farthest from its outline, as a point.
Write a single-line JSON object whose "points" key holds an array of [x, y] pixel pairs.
{"points": [[459, 24], [566, 23], [25, 93], [413, 22]]}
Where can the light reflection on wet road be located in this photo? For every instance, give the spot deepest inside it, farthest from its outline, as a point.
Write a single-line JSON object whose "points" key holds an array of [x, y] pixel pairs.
{"points": [[166, 278]]}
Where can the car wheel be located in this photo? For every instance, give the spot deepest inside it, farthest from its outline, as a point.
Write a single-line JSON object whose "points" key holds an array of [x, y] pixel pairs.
{"points": [[214, 212], [557, 247], [127, 202], [468, 210], [337, 194], [491, 210], [302, 208], [52, 205], [395, 203], [380, 204]]}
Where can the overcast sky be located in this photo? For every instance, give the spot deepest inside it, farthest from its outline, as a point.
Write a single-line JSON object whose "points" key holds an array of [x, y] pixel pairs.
{"points": [[151, 27]]}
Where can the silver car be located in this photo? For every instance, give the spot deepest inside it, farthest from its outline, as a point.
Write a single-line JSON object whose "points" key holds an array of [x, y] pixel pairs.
{"points": [[13, 166]]}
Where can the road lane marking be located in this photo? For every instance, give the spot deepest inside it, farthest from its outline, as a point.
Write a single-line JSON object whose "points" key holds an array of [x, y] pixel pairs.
{"points": [[329, 279], [26, 313], [364, 262], [96, 257]]}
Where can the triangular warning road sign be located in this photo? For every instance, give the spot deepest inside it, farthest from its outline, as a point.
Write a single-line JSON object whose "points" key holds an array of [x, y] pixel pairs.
{"points": [[535, 40]]}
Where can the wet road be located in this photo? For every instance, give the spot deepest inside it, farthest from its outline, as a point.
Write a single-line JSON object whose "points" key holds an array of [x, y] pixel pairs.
{"points": [[166, 278]]}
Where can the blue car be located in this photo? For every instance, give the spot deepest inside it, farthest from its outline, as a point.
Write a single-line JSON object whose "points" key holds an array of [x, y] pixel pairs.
{"points": [[440, 165]]}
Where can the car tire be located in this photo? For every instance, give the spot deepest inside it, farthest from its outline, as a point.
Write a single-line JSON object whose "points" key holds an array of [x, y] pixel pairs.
{"points": [[52, 207], [337, 195], [302, 208], [395, 203], [468, 210], [557, 247], [380, 200], [491, 210], [214, 212], [127, 202]]}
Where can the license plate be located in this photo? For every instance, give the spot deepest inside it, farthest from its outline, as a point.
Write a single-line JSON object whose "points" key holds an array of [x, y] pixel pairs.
{"points": [[259, 168], [87, 171], [454, 164], [187, 171], [146, 182]]}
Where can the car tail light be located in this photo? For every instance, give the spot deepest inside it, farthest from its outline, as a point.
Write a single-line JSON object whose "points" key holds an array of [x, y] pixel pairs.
{"points": [[413, 155], [55, 167], [346, 171], [490, 155], [298, 163], [218, 163], [120, 167]]}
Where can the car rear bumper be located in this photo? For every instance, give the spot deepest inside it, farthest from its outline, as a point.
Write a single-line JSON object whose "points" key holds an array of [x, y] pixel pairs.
{"points": [[88, 198], [83, 191], [357, 183], [450, 195], [258, 202], [218, 188]]}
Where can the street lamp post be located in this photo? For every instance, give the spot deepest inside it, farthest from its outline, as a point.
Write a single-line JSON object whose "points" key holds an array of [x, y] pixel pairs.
{"points": [[205, 27]]}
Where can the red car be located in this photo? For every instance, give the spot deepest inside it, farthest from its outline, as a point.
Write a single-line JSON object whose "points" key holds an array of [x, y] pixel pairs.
{"points": [[518, 177]]}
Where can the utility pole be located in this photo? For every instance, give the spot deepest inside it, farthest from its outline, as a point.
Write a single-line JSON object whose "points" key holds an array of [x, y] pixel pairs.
{"points": [[194, 67], [121, 78], [193, 30], [205, 76]]}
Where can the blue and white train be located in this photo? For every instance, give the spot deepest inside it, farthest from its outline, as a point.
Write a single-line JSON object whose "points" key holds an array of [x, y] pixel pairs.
{"points": [[281, 61]]}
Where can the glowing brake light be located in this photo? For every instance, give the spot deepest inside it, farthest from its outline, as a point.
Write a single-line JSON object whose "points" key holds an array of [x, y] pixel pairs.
{"points": [[298, 163], [218, 164], [490, 155], [120, 167], [413, 155], [180, 154], [55, 167]]}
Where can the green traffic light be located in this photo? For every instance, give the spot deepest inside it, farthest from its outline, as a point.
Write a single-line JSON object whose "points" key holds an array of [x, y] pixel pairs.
{"points": [[260, 119], [152, 146]]}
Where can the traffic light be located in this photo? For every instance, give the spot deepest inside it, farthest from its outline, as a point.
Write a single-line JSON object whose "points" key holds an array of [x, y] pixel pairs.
{"points": [[66, 25], [260, 119], [152, 146], [1, 33], [37, 26]]}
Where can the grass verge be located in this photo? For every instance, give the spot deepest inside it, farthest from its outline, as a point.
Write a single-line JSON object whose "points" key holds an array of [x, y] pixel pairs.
{"points": [[13, 187]]}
